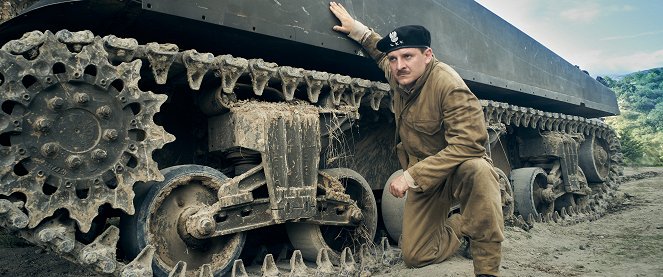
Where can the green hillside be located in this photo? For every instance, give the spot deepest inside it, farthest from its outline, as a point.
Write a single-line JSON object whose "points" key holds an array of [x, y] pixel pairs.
{"points": [[640, 125]]}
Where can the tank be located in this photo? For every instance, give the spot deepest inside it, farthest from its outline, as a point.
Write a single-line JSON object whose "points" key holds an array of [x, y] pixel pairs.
{"points": [[177, 137]]}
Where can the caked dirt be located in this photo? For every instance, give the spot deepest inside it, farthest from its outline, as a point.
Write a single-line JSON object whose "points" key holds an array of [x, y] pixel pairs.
{"points": [[626, 242]]}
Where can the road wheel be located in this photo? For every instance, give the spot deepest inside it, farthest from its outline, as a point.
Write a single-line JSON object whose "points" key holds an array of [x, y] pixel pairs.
{"points": [[310, 238]]}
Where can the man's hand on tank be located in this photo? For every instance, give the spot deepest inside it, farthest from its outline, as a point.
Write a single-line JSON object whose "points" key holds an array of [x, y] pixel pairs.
{"points": [[353, 28], [347, 22], [398, 187]]}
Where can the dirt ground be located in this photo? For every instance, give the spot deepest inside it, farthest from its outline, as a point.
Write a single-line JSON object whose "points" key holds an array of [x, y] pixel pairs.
{"points": [[627, 242]]}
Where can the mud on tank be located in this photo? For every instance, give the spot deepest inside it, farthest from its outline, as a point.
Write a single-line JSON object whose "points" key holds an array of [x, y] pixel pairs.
{"points": [[162, 137]]}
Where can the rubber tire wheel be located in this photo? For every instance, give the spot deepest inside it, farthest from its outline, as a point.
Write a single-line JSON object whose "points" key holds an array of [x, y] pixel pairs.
{"points": [[596, 169], [310, 238], [392, 209], [525, 182], [137, 226]]}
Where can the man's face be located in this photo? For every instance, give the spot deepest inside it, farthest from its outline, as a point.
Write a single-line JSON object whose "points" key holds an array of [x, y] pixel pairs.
{"points": [[408, 64]]}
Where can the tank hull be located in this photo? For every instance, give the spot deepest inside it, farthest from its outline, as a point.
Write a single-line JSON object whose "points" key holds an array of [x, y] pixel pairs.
{"points": [[498, 61]]}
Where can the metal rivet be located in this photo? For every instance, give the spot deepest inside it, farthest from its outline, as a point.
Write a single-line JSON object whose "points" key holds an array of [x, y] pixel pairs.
{"points": [[104, 111], [74, 161], [56, 103], [119, 168], [26, 97], [17, 123], [21, 151], [132, 147], [41, 125], [99, 154], [81, 98], [133, 122], [110, 134], [49, 80], [77, 75], [102, 82], [49, 149]]}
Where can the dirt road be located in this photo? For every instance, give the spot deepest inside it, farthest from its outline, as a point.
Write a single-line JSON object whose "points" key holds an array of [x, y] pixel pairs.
{"points": [[627, 242]]}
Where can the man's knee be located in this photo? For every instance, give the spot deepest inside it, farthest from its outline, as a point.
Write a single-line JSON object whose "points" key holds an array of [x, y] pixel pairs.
{"points": [[474, 165], [412, 260], [413, 253], [477, 169]]}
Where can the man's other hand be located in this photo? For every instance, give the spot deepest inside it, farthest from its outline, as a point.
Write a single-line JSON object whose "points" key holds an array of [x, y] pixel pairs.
{"points": [[398, 187]]}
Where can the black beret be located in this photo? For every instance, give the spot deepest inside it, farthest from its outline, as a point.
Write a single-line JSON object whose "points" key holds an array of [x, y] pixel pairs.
{"points": [[410, 36]]}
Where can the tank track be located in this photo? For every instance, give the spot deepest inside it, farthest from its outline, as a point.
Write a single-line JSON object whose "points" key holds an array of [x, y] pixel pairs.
{"points": [[332, 93], [599, 201]]}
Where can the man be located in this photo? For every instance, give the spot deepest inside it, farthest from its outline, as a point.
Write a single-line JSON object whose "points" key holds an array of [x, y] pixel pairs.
{"points": [[442, 132]]}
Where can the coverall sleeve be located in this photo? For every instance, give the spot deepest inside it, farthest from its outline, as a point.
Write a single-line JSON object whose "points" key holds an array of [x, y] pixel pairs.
{"points": [[369, 42], [465, 133]]}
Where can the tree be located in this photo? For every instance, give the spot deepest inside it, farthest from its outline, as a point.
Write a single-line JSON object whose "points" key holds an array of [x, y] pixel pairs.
{"points": [[655, 117], [640, 125], [631, 148]]}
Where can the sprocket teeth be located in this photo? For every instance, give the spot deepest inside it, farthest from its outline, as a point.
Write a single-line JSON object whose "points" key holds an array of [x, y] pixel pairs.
{"points": [[206, 271], [348, 265], [238, 269], [269, 268], [78, 62], [324, 264], [179, 270], [142, 264], [297, 266]]}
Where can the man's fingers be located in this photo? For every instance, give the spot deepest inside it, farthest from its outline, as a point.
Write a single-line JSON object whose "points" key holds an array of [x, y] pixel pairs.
{"points": [[343, 16], [395, 187], [392, 190], [339, 7]]}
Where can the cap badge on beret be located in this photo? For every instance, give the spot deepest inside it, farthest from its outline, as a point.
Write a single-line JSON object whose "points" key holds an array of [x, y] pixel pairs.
{"points": [[393, 36]]}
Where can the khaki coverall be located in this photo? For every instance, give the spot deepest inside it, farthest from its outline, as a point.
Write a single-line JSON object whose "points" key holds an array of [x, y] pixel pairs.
{"points": [[442, 135]]}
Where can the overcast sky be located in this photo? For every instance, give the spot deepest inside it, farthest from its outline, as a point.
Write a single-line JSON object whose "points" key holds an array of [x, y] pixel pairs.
{"points": [[604, 37]]}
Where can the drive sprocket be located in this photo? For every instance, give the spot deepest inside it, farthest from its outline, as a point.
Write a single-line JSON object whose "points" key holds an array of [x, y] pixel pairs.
{"points": [[76, 132]]}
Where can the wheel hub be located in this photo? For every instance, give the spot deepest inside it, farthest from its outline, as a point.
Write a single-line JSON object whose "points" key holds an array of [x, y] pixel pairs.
{"points": [[164, 221], [69, 135]]}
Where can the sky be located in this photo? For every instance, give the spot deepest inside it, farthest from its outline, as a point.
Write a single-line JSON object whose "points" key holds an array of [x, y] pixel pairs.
{"points": [[604, 37]]}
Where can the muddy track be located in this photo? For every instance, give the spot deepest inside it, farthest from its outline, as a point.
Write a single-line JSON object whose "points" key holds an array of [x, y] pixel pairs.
{"points": [[625, 241]]}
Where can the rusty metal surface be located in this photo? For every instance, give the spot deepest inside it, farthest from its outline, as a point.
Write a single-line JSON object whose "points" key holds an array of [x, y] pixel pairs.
{"points": [[288, 138]]}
